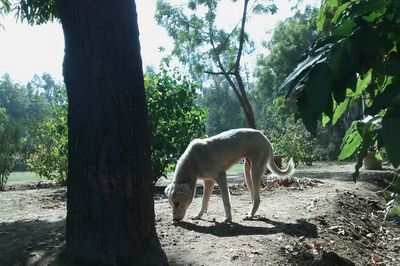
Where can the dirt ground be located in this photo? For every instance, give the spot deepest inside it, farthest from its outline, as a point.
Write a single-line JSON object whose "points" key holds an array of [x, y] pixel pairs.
{"points": [[319, 217]]}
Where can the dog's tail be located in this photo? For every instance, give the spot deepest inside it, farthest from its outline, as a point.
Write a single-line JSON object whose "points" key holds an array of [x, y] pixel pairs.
{"points": [[279, 172]]}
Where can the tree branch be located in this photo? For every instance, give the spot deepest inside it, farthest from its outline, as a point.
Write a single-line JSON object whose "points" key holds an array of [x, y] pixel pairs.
{"points": [[241, 36], [219, 73]]}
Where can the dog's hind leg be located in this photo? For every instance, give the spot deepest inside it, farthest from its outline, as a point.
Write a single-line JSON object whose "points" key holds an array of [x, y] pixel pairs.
{"points": [[208, 187], [247, 174], [223, 186], [257, 171]]}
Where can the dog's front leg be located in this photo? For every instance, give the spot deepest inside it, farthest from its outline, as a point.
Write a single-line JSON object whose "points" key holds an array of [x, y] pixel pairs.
{"points": [[223, 186], [208, 187]]}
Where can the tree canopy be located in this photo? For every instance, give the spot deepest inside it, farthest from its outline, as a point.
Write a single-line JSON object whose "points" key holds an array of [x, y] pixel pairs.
{"points": [[174, 118], [206, 48]]}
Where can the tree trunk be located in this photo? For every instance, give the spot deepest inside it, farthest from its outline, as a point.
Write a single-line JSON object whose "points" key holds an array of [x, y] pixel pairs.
{"points": [[110, 211]]}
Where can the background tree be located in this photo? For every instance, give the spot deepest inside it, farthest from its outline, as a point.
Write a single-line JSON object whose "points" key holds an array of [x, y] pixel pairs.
{"points": [[13, 98], [289, 40], [341, 69], [222, 105], [9, 140], [26, 107], [110, 218], [49, 155], [205, 48], [174, 118]]}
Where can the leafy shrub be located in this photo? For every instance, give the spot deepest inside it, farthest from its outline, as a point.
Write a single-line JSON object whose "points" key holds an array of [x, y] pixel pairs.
{"points": [[292, 139], [50, 155], [174, 118], [9, 142]]}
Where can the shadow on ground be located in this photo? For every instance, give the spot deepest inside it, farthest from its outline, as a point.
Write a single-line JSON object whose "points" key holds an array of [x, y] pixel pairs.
{"points": [[301, 228], [30, 242]]}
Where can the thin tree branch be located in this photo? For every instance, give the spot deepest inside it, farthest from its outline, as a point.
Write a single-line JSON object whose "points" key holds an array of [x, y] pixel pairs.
{"points": [[219, 73], [241, 36]]}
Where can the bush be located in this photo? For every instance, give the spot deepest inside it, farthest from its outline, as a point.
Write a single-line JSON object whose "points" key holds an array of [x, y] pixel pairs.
{"points": [[9, 141], [49, 158], [292, 139], [174, 118]]}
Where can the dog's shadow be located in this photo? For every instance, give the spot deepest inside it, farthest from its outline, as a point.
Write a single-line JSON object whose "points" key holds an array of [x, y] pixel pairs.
{"points": [[300, 228]]}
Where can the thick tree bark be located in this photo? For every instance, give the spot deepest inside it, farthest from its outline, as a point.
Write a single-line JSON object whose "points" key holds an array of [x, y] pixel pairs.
{"points": [[110, 212]]}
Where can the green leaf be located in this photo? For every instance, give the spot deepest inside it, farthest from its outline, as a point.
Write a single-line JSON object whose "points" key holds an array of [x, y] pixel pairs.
{"points": [[396, 187], [339, 12], [345, 28], [384, 99], [362, 84], [351, 142], [303, 68], [339, 110], [391, 132], [321, 19], [332, 3], [318, 89], [307, 114], [396, 209], [364, 8], [325, 119]]}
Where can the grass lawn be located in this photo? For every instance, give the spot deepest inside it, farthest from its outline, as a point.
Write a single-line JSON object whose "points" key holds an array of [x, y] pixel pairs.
{"points": [[236, 168], [24, 177]]}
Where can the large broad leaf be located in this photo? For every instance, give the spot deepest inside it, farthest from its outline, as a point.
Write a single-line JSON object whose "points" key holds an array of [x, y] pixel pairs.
{"points": [[362, 84], [339, 110], [351, 142], [364, 8], [361, 135], [345, 28], [339, 12], [303, 68], [318, 89], [358, 139], [384, 99], [340, 63], [307, 114], [391, 132]]}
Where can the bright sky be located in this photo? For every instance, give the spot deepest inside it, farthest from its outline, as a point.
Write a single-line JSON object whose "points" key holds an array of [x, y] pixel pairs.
{"points": [[27, 50]]}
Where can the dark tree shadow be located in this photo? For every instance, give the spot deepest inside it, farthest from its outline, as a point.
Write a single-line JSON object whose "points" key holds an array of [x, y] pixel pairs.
{"points": [[31, 242], [300, 228]]}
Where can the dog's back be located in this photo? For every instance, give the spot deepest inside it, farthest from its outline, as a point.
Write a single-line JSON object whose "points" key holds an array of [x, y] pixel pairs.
{"points": [[223, 150]]}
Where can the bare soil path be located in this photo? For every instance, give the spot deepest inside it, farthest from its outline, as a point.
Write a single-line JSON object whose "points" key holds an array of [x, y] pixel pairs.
{"points": [[318, 218]]}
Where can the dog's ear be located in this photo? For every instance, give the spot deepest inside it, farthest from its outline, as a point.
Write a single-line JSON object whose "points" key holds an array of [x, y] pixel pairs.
{"points": [[168, 189]]}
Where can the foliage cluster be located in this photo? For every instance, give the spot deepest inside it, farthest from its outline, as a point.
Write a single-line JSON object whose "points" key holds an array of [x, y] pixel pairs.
{"points": [[49, 156], [223, 108], [289, 40], [174, 118], [9, 144], [341, 69], [207, 48], [24, 107]]}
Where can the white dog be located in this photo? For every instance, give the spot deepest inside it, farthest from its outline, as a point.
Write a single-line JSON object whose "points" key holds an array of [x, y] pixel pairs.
{"points": [[208, 159]]}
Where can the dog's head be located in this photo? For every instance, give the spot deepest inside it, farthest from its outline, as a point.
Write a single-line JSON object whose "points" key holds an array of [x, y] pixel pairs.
{"points": [[179, 196]]}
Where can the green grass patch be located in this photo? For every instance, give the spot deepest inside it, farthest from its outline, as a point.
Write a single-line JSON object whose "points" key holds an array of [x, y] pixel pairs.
{"points": [[24, 177], [236, 168]]}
